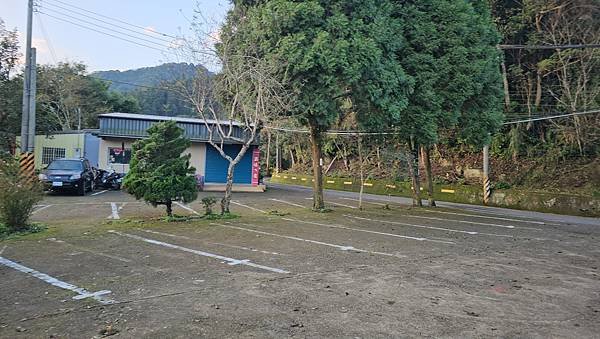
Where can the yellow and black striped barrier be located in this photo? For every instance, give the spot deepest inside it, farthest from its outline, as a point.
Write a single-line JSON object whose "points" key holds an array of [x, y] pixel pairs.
{"points": [[487, 190], [27, 165]]}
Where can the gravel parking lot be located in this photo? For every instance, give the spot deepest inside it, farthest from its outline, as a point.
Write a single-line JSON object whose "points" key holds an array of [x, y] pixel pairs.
{"points": [[108, 265]]}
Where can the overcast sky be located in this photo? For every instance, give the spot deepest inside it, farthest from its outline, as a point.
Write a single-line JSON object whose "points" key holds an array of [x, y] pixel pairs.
{"points": [[66, 41]]}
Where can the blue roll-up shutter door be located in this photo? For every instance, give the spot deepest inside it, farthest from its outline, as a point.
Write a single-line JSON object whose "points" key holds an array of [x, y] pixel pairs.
{"points": [[216, 165]]}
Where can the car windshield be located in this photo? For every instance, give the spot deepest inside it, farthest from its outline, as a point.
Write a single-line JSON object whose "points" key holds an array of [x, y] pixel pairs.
{"points": [[69, 165]]}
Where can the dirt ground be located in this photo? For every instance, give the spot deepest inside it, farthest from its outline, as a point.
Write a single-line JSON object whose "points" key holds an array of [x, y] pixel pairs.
{"points": [[108, 265]]}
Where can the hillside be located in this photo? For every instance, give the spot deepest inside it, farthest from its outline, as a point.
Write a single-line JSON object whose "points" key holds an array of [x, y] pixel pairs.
{"points": [[147, 76]]}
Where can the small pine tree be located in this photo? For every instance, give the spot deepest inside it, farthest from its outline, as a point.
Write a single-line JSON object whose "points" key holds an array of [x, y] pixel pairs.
{"points": [[158, 172]]}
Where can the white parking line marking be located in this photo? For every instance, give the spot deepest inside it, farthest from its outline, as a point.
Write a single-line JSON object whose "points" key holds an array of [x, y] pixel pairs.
{"points": [[88, 250], [114, 211], [249, 207], [231, 261], [367, 231], [463, 221], [449, 229], [214, 243], [42, 207], [487, 217], [413, 225], [186, 208], [336, 203], [340, 247], [98, 193], [287, 202], [366, 201], [81, 292]]}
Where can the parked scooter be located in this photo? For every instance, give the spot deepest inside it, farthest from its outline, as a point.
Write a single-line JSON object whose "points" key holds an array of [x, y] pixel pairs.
{"points": [[110, 179]]}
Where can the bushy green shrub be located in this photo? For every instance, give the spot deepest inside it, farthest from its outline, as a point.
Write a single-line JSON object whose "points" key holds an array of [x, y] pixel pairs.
{"points": [[208, 204], [18, 196]]}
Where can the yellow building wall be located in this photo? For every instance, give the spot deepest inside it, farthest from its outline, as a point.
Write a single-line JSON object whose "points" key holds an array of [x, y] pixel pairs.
{"points": [[197, 150], [72, 143]]}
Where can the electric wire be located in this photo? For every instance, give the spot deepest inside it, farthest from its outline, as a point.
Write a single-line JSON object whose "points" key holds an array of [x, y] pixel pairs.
{"points": [[87, 22], [111, 18], [105, 33]]}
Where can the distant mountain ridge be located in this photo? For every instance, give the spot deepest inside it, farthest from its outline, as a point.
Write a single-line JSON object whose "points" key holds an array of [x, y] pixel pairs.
{"points": [[148, 76]]}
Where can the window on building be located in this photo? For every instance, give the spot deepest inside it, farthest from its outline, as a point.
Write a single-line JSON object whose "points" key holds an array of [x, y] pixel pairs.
{"points": [[116, 155], [51, 153]]}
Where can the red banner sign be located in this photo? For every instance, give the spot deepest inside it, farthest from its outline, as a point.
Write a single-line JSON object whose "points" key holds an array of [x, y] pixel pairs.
{"points": [[255, 166]]}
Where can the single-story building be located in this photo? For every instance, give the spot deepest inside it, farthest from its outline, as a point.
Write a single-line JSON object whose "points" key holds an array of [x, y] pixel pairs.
{"points": [[66, 144], [121, 130]]}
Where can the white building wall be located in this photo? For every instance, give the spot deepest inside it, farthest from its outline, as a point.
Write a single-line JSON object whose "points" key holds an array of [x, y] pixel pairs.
{"points": [[197, 150]]}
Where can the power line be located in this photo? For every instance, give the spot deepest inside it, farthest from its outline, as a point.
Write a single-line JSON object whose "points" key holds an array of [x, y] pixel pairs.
{"points": [[578, 46], [552, 117], [103, 27], [110, 18], [357, 132], [103, 21], [101, 32], [46, 37]]}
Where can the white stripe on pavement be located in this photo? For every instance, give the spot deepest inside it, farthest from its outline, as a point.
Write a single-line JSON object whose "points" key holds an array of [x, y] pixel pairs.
{"points": [[367, 231], [434, 228], [366, 201], [81, 292], [214, 243], [186, 208], [287, 202], [230, 261], [340, 247], [42, 207], [98, 193], [249, 207], [487, 217], [114, 211]]}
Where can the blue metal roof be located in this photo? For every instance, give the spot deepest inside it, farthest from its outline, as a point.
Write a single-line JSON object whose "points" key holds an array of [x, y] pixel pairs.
{"points": [[128, 125]]}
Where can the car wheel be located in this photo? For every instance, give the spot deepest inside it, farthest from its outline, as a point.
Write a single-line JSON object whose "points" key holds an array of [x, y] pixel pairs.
{"points": [[81, 189], [92, 186]]}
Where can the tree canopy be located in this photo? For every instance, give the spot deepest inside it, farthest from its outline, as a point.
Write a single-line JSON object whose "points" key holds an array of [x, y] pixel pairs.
{"points": [[328, 52], [158, 173]]}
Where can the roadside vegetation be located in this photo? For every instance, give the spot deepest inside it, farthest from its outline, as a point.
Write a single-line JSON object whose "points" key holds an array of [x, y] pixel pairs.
{"points": [[18, 197], [159, 174]]}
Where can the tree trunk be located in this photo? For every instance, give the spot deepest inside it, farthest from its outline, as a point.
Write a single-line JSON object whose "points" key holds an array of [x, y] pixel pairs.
{"points": [[292, 157], [169, 205], [268, 164], [228, 188], [277, 154], [428, 173], [315, 143], [413, 167], [505, 85], [362, 173]]}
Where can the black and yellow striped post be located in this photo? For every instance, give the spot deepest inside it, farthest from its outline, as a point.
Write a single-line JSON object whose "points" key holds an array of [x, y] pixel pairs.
{"points": [[487, 190], [487, 187], [27, 165]]}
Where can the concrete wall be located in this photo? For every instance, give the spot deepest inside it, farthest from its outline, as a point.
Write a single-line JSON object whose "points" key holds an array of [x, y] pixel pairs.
{"points": [[103, 154], [197, 150], [72, 143]]}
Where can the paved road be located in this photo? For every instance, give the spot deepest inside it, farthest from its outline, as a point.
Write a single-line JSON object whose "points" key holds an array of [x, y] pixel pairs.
{"points": [[281, 270], [549, 217]]}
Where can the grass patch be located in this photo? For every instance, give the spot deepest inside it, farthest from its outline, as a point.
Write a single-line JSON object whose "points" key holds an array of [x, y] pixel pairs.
{"points": [[277, 213], [225, 216], [31, 229], [322, 210]]}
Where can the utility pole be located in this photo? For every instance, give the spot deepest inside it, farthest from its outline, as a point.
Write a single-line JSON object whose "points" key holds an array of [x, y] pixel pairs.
{"points": [[27, 82], [32, 92]]}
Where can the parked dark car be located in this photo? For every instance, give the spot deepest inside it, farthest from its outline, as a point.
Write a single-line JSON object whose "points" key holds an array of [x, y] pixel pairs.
{"points": [[69, 174]]}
